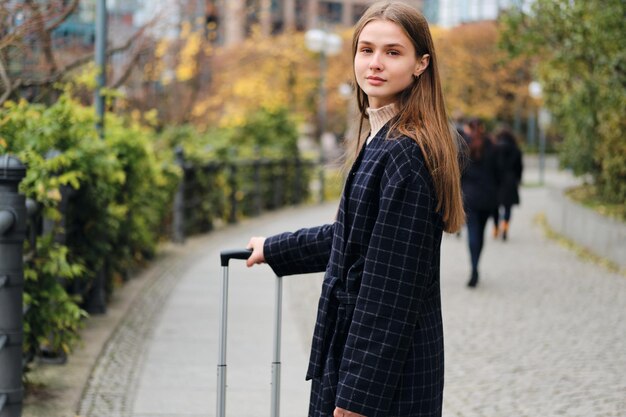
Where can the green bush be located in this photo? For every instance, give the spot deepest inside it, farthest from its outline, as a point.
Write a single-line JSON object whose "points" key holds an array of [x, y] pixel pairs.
{"points": [[118, 190], [109, 201], [209, 155], [270, 134], [266, 133]]}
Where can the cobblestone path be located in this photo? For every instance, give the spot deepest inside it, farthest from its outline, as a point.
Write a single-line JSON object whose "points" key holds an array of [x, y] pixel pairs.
{"points": [[544, 333]]}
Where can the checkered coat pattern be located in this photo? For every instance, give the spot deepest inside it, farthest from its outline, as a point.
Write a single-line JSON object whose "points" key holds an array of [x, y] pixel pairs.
{"points": [[378, 341]]}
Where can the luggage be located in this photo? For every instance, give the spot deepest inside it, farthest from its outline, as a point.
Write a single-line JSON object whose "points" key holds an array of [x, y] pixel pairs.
{"points": [[226, 256]]}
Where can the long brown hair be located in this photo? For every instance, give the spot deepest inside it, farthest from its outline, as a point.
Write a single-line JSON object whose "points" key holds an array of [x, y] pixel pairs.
{"points": [[422, 114]]}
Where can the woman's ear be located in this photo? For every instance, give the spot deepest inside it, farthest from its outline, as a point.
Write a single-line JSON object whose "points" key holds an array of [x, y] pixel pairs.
{"points": [[421, 66]]}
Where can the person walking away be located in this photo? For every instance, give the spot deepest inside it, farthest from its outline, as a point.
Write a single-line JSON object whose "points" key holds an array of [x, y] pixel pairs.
{"points": [[480, 180], [377, 347], [510, 165]]}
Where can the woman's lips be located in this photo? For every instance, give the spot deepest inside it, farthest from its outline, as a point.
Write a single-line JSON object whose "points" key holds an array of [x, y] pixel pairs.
{"points": [[375, 80]]}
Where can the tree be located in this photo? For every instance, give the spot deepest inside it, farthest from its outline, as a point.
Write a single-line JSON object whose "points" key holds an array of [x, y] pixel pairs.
{"points": [[476, 77], [33, 60], [580, 49], [176, 72], [271, 73]]}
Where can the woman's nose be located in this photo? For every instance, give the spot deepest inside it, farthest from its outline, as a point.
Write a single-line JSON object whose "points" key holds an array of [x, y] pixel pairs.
{"points": [[375, 63]]}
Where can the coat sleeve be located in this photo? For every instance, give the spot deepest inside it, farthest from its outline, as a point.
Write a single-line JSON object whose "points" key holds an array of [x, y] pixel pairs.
{"points": [[395, 279], [301, 252]]}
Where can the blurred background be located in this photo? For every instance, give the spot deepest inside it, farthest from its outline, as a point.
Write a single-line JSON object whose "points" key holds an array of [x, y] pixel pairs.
{"points": [[211, 64], [143, 121]]}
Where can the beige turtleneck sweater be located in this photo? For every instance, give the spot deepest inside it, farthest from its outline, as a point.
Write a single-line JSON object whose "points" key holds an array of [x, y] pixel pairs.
{"points": [[379, 117]]}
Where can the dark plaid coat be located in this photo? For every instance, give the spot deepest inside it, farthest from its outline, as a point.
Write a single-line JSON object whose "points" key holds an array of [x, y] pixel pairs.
{"points": [[378, 341]]}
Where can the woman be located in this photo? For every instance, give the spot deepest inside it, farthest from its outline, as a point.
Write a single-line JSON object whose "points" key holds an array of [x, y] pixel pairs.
{"points": [[480, 191], [510, 166], [378, 340]]}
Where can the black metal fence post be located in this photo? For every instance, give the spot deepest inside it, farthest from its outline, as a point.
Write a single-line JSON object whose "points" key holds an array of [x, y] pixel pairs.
{"points": [[322, 174], [96, 298], [273, 167], [281, 166], [178, 221], [297, 199], [12, 235], [258, 192], [232, 179]]}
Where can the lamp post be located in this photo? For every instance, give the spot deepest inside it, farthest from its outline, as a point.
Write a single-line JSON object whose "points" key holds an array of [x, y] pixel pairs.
{"points": [[347, 92], [543, 120], [325, 44], [100, 54]]}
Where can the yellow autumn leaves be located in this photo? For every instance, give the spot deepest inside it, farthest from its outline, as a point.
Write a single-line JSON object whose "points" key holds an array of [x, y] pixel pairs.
{"points": [[279, 72]]}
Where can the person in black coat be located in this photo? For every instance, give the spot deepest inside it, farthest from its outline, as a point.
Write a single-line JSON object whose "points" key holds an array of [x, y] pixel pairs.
{"points": [[377, 348], [510, 165], [480, 182]]}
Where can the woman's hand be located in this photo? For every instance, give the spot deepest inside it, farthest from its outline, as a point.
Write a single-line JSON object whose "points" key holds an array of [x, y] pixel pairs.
{"points": [[256, 244], [340, 412]]}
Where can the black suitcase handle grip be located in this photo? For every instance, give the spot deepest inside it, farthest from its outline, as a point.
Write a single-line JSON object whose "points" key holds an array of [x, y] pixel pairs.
{"points": [[227, 255]]}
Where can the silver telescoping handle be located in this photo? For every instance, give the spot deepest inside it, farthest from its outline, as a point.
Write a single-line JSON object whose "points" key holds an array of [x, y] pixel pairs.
{"points": [[226, 256], [275, 408], [221, 360]]}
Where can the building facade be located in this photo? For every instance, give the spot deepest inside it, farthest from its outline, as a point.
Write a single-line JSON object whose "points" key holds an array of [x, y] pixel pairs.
{"points": [[455, 12], [274, 16]]}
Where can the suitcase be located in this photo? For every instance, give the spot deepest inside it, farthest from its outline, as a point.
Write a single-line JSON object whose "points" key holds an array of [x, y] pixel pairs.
{"points": [[226, 256]]}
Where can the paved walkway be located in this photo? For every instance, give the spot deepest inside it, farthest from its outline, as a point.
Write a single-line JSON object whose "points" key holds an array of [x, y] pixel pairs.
{"points": [[543, 335]]}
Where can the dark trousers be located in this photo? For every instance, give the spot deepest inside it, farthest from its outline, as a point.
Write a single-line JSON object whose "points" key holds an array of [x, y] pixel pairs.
{"points": [[476, 221], [506, 214]]}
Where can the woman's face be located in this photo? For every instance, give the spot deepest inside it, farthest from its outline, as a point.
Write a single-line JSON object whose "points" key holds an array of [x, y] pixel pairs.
{"points": [[385, 62]]}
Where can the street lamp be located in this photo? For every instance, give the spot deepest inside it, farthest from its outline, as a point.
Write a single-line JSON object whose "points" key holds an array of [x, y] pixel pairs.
{"points": [[325, 44], [543, 120]]}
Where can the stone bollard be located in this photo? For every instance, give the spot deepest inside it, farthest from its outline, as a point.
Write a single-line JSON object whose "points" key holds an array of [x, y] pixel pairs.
{"points": [[12, 235]]}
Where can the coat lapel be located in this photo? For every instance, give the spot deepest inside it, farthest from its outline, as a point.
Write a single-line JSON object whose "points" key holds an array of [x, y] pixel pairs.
{"points": [[366, 153]]}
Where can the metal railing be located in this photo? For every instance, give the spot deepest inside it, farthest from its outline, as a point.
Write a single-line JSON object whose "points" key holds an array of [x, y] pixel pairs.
{"points": [[225, 191], [207, 194]]}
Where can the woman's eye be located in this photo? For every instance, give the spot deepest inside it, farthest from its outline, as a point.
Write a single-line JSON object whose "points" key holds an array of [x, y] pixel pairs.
{"points": [[366, 50], [392, 52]]}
